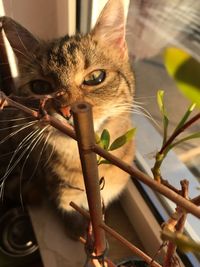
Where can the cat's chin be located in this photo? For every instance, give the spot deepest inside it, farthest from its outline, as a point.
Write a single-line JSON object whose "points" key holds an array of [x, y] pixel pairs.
{"points": [[69, 121], [98, 123]]}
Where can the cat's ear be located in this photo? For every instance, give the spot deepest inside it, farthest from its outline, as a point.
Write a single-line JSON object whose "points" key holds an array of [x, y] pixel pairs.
{"points": [[20, 39], [110, 26]]}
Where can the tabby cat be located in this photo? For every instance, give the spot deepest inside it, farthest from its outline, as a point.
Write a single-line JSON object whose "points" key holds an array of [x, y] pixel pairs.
{"points": [[94, 68]]}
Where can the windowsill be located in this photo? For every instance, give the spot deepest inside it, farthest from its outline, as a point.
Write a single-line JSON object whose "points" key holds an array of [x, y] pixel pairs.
{"points": [[50, 231], [148, 141]]}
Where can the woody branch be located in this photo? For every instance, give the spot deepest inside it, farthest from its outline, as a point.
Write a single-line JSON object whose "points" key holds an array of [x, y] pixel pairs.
{"points": [[188, 205]]}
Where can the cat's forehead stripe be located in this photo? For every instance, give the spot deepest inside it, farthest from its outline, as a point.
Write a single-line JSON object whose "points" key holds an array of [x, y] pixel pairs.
{"points": [[63, 51]]}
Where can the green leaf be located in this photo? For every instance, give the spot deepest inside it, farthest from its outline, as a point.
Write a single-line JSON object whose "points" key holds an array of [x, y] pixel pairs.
{"points": [[104, 161], [120, 141], [105, 139], [161, 105], [186, 72], [97, 138], [160, 97], [182, 241], [186, 116], [189, 137]]}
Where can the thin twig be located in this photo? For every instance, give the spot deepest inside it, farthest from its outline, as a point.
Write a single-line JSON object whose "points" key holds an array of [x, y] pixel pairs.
{"points": [[196, 200], [167, 184], [83, 124], [180, 130], [178, 227], [144, 178], [117, 236], [108, 261], [132, 170]]}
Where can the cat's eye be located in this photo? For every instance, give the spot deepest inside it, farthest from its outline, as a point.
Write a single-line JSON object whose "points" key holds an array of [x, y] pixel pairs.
{"points": [[41, 87], [94, 78]]}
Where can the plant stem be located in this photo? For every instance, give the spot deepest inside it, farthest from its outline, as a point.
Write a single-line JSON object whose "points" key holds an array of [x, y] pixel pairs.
{"points": [[196, 200], [121, 239], [132, 170], [156, 168], [177, 132], [83, 123], [166, 147], [154, 185], [179, 227], [108, 261]]}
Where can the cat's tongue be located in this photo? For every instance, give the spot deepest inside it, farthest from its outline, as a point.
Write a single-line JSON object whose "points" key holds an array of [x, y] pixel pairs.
{"points": [[65, 111]]}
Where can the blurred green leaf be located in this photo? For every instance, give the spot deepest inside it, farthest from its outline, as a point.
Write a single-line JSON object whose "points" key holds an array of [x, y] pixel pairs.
{"points": [[186, 72], [97, 138], [189, 137], [120, 141], [105, 139], [104, 161], [160, 97], [186, 116], [183, 242], [161, 105]]}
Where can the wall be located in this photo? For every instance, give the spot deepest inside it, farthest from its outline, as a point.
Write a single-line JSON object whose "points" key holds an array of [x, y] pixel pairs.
{"points": [[45, 18]]}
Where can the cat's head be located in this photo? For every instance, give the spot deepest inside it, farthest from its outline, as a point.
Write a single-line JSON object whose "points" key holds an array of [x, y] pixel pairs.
{"points": [[93, 68]]}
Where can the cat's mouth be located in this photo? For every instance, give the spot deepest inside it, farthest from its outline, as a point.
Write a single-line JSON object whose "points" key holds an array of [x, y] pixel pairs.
{"points": [[60, 112], [64, 114]]}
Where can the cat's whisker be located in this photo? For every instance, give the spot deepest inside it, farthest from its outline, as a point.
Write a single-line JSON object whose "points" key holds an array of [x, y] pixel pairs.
{"points": [[17, 119], [40, 138], [51, 153], [10, 169], [8, 109], [6, 154], [17, 131], [141, 108], [20, 39], [2, 190], [145, 97], [37, 140], [136, 109], [13, 126], [138, 112], [21, 145], [122, 105], [118, 113], [25, 48], [135, 102], [146, 114]]}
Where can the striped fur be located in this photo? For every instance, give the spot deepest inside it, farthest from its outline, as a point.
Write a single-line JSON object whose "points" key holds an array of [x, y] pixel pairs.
{"points": [[51, 160]]}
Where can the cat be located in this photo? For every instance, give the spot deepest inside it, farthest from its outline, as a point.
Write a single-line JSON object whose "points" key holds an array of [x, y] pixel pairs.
{"points": [[94, 68]]}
